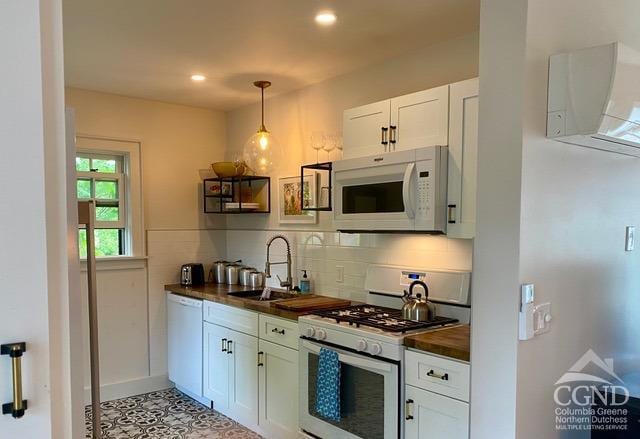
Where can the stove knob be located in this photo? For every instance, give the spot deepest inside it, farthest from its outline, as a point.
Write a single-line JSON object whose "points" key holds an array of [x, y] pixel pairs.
{"points": [[376, 349], [321, 334], [361, 345], [309, 332]]}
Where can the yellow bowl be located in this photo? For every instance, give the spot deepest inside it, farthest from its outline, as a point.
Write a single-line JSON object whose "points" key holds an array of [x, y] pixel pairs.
{"points": [[228, 169]]}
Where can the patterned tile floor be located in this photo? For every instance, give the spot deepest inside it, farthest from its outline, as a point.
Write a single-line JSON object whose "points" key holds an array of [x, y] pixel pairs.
{"points": [[167, 414]]}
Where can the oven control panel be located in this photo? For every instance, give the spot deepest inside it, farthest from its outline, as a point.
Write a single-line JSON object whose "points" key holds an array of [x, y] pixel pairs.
{"points": [[352, 339]]}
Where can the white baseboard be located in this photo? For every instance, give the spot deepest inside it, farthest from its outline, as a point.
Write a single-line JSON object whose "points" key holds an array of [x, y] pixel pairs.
{"points": [[109, 392]]}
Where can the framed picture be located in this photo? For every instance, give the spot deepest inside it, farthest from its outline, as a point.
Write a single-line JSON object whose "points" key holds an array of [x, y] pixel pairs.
{"points": [[291, 198]]}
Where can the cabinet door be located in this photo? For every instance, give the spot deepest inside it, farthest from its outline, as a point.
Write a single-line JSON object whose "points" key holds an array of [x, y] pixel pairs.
{"points": [[243, 378], [432, 416], [216, 365], [278, 390], [420, 119], [366, 130], [463, 159]]}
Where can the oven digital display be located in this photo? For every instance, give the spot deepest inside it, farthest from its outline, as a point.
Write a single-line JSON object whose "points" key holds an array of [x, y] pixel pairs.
{"points": [[414, 276]]}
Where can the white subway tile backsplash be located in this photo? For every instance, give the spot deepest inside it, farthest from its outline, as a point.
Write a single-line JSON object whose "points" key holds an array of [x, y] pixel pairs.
{"points": [[321, 252]]}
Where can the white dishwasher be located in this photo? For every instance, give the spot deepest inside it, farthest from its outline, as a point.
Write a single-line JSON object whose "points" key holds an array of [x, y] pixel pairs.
{"points": [[184, 321]]}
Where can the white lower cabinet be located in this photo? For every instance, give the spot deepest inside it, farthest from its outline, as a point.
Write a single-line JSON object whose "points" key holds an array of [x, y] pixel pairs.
{"points": [[278, 390], [243, 378], [216, 365], [252, 380], [432, 416], [231, 374]]}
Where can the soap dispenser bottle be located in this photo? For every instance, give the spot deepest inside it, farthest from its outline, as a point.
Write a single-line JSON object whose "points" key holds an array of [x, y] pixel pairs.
{"points": [[305, 283]]}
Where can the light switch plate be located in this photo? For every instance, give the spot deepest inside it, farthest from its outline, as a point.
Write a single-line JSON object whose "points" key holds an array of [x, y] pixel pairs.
{"points": [[542, 318], [339, 274], [630, 239]]}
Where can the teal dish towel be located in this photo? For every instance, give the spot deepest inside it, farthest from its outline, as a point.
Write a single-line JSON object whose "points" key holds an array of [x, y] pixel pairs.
{"points": [[328, 385]]}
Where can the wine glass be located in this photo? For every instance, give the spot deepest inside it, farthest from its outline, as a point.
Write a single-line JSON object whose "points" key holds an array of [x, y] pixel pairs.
{"points": [[330, 145], [317, 142], [339, 144]]}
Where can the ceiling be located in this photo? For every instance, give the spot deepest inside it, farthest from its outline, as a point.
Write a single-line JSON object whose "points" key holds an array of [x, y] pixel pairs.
{"points": [[150, 48]]}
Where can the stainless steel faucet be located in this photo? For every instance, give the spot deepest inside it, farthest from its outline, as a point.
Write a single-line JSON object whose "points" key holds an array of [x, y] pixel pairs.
{"points": [[288, 283]]}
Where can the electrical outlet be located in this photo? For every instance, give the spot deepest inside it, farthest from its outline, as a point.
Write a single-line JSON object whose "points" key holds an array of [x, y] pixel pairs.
{"points": [[339, 274], [630, 239]]}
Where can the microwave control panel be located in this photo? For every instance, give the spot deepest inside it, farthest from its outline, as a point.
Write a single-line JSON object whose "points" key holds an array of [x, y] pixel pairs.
{"points": [[424, 218]]}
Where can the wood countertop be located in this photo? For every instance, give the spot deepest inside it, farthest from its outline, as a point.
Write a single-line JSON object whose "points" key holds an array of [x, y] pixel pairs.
{"points": [[452, 342], [220, 293]]}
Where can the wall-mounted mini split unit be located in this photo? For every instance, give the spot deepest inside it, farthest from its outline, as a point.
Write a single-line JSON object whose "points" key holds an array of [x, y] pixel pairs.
{"points": [[594, 98]]}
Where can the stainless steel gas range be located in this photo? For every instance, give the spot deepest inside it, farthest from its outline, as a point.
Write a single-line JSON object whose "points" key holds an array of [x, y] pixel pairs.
{"points": [[369, 342]]}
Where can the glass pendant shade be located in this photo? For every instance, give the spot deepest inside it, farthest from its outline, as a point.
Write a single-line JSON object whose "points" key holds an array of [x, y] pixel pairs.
{"points": [[262, 152]]}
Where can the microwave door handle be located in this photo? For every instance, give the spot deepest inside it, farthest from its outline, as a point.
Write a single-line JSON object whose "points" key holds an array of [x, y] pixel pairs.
{"points": [[407, 187]]}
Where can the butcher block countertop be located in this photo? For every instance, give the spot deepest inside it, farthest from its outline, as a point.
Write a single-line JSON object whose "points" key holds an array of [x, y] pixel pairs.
{"points": [[450, 342], [220, 293]]}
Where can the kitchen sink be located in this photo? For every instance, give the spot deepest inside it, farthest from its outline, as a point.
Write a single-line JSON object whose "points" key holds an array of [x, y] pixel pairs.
{"points": [[255, 295]]}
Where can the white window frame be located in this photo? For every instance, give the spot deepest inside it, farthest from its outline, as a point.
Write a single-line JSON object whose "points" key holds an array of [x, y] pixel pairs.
{"points": [[118, 177], [131, 174]]}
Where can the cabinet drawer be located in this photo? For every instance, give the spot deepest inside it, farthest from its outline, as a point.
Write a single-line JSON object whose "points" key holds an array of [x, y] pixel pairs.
{"points": [[437, 374], [230, 317], [280, 331]]}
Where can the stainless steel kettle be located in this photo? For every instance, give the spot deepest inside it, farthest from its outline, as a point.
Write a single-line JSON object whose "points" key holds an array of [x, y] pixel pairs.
{"points": [[415, 307]]}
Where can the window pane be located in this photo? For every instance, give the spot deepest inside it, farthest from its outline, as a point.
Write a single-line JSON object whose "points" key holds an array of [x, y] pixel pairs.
{"points": [[108, 242], [82, 164], [100, 165], [106, 190], [84, 188], [82, 242], [107, 213]]}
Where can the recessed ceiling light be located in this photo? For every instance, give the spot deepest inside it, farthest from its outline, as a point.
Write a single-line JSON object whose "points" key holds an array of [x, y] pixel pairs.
{"points": [[325, 18], [198, 78]]}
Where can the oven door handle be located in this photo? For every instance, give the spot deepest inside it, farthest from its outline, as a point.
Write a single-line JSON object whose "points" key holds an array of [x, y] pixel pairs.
{"points": [[351, 359], [407, 188]]}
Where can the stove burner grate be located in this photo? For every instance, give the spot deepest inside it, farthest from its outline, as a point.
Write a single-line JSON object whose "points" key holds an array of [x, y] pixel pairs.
{"points": [[387, 319]]}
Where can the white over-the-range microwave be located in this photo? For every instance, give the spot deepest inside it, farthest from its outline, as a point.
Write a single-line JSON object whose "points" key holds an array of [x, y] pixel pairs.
{"points": [[403, 191]]}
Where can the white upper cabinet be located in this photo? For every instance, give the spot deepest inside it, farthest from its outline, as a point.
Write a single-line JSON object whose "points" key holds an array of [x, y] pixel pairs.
{"points": [[463, 159], [366, 130], [406, 122], [419, 119]]}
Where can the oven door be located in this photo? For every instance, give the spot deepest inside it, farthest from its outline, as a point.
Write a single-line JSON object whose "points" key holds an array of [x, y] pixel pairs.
{"points": [[376, 195], [369, 396]]}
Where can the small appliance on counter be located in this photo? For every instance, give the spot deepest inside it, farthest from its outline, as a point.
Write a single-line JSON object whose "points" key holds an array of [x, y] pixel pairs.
{"points": [[192, 275]]}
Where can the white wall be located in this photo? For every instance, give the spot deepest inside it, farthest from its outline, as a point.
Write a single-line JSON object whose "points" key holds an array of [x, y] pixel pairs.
{"points": [[495, 272], [576, 203], [176, 141], [292, 118], [573, 206]]}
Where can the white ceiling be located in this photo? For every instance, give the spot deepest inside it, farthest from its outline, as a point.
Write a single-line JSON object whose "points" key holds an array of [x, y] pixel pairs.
{"points": [[150, 48]]}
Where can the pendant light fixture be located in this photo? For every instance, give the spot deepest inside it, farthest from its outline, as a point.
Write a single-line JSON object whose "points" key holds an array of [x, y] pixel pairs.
{"points": [[262, 150]]}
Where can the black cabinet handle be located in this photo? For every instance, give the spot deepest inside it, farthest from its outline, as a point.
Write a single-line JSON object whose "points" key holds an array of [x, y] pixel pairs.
{"points": [[223, 348], [407, 405], [278, 331], [444, 377], [229, 351], [260, 363]]}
